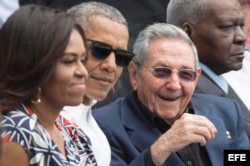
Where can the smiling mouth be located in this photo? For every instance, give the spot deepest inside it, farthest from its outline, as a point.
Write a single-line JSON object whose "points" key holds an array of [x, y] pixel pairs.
{"points": [[168, 98], [104, 79]]}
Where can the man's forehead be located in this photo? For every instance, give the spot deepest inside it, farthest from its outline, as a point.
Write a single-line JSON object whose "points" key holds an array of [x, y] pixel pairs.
{"points": [[171, 49]]}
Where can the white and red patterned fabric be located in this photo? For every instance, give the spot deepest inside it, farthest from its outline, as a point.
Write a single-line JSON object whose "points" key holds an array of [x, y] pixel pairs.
{"points": [[22, 126]]}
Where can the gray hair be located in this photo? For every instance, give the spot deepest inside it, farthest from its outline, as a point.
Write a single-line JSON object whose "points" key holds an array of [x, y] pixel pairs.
{"points": [[82, 12], [159, 31], [192, 11]]}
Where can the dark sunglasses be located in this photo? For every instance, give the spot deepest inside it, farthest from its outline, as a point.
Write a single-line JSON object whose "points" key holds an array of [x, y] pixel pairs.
{"points": [[101, 51], [165, 72]]}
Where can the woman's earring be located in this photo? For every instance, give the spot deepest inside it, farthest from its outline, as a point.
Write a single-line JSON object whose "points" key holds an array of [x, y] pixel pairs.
{"points": [[38, 96]]}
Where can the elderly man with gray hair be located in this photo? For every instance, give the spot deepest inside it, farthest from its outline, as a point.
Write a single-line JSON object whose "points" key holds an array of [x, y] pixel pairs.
{"points": [[162, 122]]}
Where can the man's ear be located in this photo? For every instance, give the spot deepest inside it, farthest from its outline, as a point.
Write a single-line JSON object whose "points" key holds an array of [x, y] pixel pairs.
{"points": [[188, 28], [198, 72], [132, 69], [198, 75]]}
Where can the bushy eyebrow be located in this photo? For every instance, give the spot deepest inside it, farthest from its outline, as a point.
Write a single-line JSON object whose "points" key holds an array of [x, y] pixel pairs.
{"points": [[163, 64]]}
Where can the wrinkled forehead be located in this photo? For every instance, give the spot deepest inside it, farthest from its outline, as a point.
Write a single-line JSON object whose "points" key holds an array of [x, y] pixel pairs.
{"points": [[170, 51]]}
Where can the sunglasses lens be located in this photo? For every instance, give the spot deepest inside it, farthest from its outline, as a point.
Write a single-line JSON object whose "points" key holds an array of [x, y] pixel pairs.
{"points": [[101, 50], [187, 75], [123, 57], [162, 72]]}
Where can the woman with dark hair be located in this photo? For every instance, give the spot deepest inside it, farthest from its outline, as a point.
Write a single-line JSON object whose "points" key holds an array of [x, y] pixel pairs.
{"points": [[42, 58]]}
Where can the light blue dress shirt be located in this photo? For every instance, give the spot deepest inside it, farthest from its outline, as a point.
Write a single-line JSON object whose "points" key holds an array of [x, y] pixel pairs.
{"points": [[218, 79]]}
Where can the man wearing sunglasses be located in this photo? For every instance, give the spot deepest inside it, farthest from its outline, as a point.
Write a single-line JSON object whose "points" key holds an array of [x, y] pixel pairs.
{"points": [[107, 34], [216, 28], [161, 122]]}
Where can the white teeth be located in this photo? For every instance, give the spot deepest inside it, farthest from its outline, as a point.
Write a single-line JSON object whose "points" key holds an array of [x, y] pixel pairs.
{"points": [[169, 98]]}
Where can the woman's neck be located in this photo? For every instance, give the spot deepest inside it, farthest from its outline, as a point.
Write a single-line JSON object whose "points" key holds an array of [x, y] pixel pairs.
{"points": [[46, 114]]}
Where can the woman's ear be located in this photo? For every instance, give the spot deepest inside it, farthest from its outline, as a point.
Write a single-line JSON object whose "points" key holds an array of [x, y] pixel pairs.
{"points": [[132, 69]]}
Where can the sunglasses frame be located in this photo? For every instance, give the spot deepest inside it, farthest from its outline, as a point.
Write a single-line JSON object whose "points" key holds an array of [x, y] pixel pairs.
{"points": [[153, 71], [120, 59]]}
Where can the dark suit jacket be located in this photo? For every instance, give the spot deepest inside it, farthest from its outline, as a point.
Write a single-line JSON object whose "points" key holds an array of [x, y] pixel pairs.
{"points": [[207, 86], [130, 132]]}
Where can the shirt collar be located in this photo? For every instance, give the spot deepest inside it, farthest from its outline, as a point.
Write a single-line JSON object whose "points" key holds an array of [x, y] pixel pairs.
{"points": [[157, 122], [218, 79]]}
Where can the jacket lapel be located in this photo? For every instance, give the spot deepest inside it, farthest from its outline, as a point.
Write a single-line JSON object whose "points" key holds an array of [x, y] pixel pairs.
{"points": [[207, 86], [138, 126], [141, 131], [216, 146]]}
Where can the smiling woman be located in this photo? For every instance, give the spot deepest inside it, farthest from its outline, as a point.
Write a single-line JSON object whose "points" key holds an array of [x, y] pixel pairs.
{"points": [[42, 70]]}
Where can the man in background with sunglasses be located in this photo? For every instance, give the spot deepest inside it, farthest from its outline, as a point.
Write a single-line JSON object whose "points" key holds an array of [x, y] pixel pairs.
{"points": [[216, 28], [161, 122], [107, 34]]}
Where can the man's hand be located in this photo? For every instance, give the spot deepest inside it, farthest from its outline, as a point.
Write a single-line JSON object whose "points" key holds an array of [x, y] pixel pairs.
{"points": [[188, 129]]}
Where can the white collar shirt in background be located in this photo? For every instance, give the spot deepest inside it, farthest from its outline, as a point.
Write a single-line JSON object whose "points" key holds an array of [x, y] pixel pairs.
{"points": [[240, 80], [7, 7], [82, 116]]}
